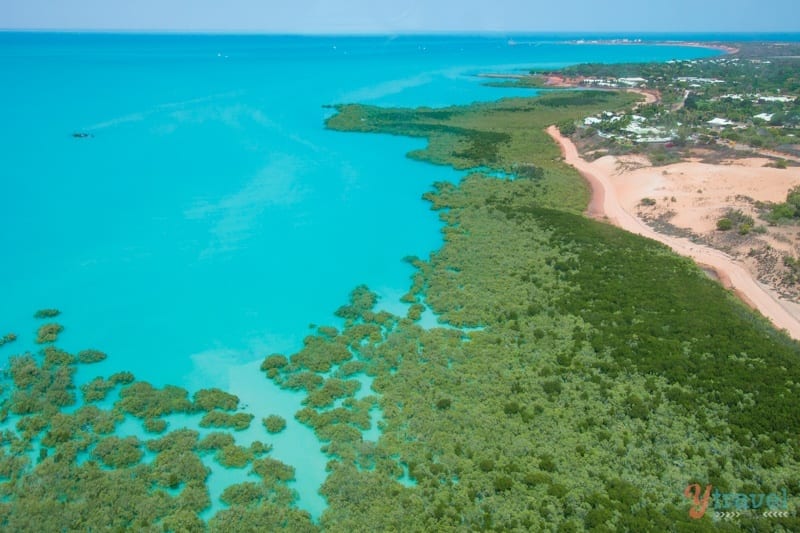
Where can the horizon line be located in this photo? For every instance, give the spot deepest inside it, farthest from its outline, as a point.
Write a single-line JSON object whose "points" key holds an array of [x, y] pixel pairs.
{"points": [[380, 33]]}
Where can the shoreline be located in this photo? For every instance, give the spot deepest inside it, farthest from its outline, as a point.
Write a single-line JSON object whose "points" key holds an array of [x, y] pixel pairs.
{"points": [[716, 45], [605, 206], [728, 49], [562, 82]]}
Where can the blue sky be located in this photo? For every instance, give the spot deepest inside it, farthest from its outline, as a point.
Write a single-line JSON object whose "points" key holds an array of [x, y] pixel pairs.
{"points": [[396, 16]]}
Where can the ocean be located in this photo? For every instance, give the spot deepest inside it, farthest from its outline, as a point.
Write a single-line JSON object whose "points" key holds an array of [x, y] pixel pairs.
{"points": [[208, 219]]}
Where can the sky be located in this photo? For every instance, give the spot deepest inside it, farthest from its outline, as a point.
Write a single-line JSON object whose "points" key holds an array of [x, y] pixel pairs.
{"points": [[402, 16]]}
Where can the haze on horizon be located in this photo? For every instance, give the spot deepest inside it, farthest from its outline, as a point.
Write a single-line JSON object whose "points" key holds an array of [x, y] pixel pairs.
{"points": [[409, 16]]}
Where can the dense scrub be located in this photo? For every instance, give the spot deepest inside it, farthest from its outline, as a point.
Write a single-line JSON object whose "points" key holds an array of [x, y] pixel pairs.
{"points": [[506, 135], [606, 375], [66, 470], [591, 397]]}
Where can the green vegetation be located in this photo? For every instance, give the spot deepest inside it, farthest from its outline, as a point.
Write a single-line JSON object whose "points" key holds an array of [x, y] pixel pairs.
{"points": [[259, 448], [96, 390], [85, 478], [590, 397], [274, 423], [259, 514], [788, 211], [415, 311], [736, 219], [503, 135], [232, 456], [216, 441], [533, 81], [7, 338], [210, 399], [567, 127], [724, 224], [155, 425], [727, 104], [48, 333], [331, 390], [142, 400], [91, 356], [39, 388], [118, 452], [274, 361], [46, 313], [271, 469], [121, 377], [221, 419], [598, 382]]}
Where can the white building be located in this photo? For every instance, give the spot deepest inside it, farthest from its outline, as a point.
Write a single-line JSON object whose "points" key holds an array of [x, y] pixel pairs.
{"points": [[720, 122]]}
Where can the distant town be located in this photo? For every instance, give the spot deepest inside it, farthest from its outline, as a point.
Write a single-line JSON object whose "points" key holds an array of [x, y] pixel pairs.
{"points": [[746, 100]]}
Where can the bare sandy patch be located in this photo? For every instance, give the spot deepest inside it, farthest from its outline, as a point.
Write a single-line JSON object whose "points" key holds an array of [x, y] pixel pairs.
{"points": [[692, 196], [698, 193]]}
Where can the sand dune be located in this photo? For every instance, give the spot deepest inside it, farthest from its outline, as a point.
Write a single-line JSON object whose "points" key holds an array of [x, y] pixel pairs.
{"points": [[609, 201]]}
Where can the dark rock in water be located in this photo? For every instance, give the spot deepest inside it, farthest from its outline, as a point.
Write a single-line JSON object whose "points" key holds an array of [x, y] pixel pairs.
{"points": [[82, 135]]}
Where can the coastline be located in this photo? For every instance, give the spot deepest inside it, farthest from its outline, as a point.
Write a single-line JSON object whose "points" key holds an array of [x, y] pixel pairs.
{"points": [[554, 81], [606, 206], [727, 48]]}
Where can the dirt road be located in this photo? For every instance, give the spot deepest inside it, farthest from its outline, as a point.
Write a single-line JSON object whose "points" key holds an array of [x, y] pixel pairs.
{"points": [[604, 205]]}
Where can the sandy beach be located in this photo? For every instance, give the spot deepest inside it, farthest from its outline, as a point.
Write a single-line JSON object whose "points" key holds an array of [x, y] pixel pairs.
{"points": [[728, 49], [722, 47], [696, 192]]}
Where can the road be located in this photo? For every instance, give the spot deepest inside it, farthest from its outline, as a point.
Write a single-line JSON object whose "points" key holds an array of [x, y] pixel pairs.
{"points": [[605, 205]]}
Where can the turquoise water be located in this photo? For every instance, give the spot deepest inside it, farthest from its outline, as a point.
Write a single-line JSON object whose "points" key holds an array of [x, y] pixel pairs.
{"points": [[210, 218]]}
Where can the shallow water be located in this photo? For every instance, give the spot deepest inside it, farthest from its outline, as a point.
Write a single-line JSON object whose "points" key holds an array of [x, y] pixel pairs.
{"points": [[210, 217]]}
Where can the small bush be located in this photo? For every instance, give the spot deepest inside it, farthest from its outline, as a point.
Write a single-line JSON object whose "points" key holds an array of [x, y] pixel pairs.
{"points": [[274, 423], [47, 313], [724, 224], [210, 399], [274, 361], [220, 419], [415, 312], [10, 337], [566, 127], [48, 333], [155, 425], [91, 356], [547, 463], [551, 387], [503, 483], [647, 202]]}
